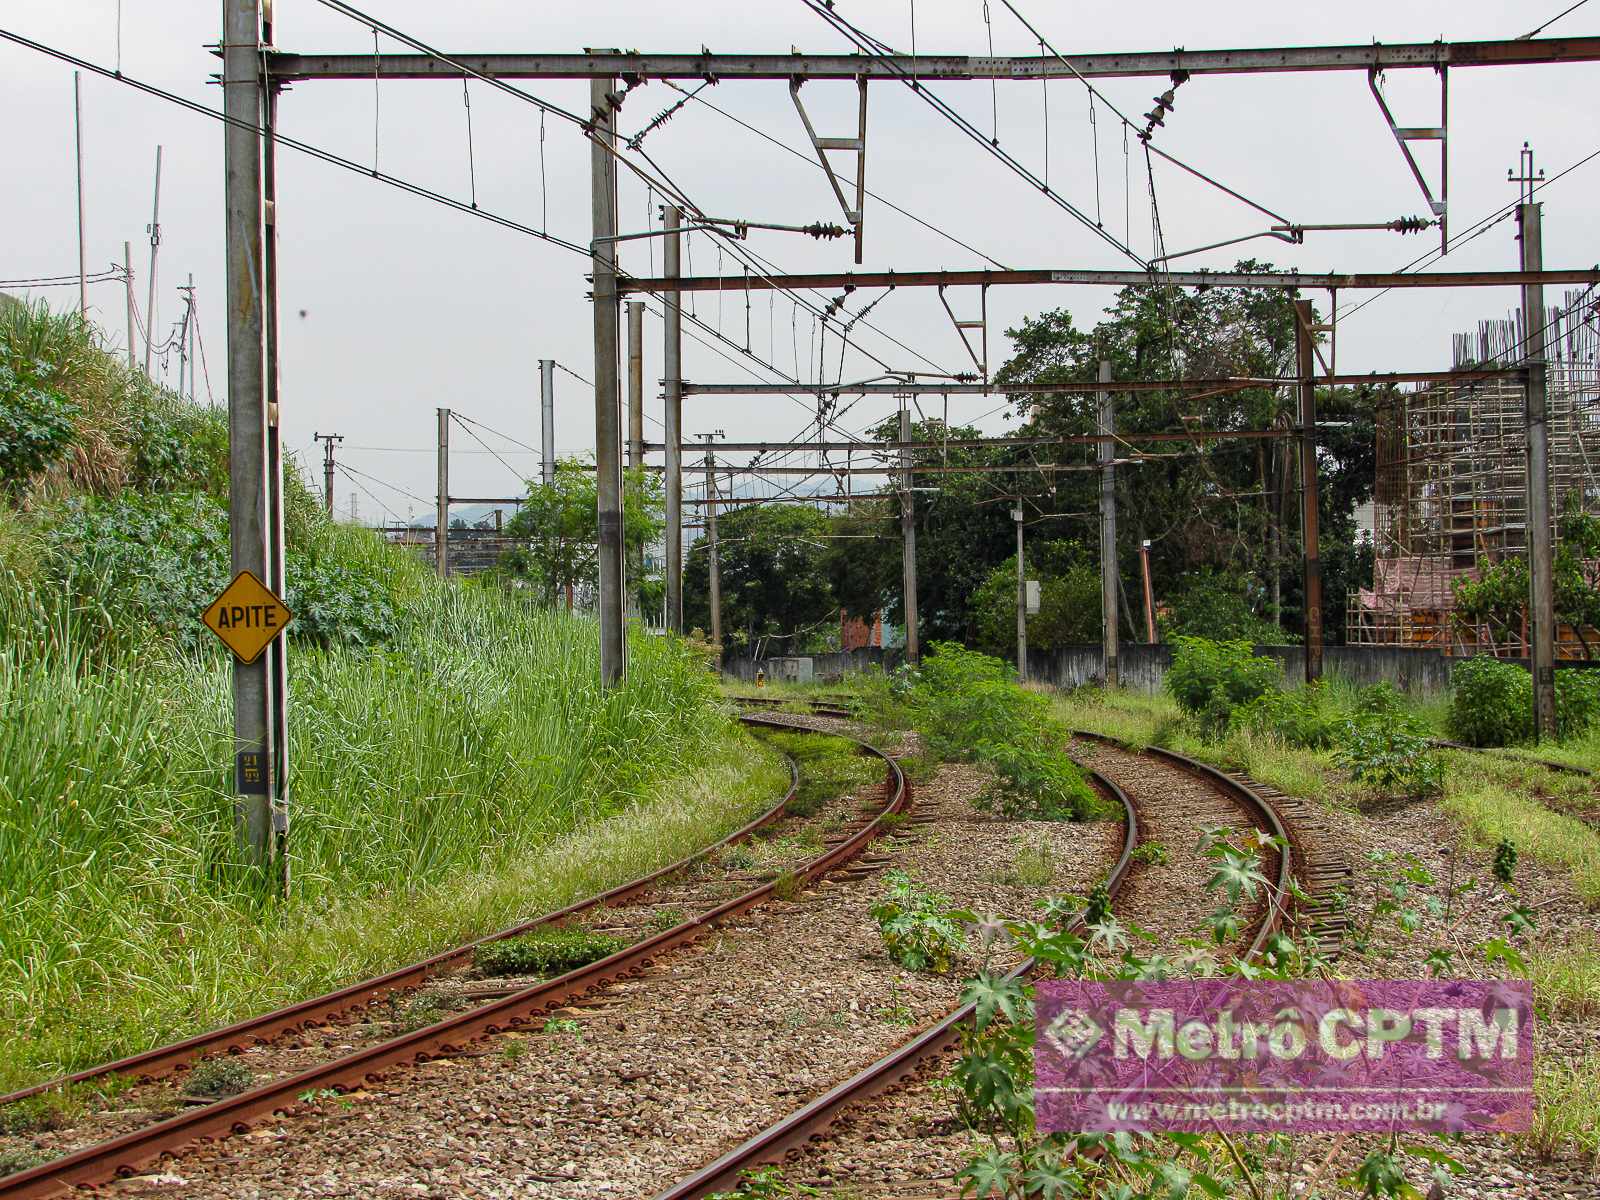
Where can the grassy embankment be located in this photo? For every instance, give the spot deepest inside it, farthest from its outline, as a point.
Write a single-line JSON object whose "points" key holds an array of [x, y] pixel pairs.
{"points": [[456, 766]]}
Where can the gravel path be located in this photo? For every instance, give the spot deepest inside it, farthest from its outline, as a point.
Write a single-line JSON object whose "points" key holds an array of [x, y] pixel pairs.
{"points": [[666, 1071]]}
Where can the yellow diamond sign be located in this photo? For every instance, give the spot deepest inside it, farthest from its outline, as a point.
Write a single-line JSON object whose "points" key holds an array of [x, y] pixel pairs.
{"points": [[247, 616]]}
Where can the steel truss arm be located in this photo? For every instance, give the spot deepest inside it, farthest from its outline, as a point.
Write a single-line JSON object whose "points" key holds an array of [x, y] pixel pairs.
{"points": [[287, 67], [856, 145], [1361, 281]]}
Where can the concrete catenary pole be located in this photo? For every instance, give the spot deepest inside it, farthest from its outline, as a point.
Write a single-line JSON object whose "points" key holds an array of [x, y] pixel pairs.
{"points": [[607, 392], [1149, 593], [277, 654], [547, 420], [1310, 492], [328, 440], [155, 217], [908, 539], [248, 503], [441, 516], [1541, 589], [77, 128], [714, 570], [1106, 426], [1022, 601], [635, 384], [672, 372], [127, 294], [635, 553]]}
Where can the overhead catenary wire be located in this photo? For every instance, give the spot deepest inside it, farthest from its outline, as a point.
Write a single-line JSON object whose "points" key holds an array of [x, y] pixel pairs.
{"points": [[884, 54], [317, 152], [1127, 124]]}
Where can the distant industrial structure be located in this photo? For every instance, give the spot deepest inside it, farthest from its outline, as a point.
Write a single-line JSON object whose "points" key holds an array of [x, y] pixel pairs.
{"points": [[1451, 494]]}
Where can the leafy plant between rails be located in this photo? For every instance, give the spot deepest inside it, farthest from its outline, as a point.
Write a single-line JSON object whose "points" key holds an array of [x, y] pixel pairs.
{"points": [[917, 930], [545, 952]]}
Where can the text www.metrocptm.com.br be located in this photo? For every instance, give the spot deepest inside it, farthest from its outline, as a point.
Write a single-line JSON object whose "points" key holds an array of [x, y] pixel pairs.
{"points": [[1286, 1111]]}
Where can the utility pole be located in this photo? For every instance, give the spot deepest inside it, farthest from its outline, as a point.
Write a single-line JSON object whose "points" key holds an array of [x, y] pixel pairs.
{"points": [[1149, 592], [441, 526], [672, 372], [277, 654], [547, 420], [327, 440], [635, 384], [253, 517], [1022, 600], [607, 394], [908, 538], [190, 320], [635, 554], [127, 290], [715, 565], [77, 127], [155, 245], [1310, 493], [1541, 598], [1106, 426]]}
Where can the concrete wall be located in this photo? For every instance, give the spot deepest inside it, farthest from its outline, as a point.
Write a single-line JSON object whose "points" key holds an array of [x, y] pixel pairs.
{"points": [[1143, 666], [824, 667]]}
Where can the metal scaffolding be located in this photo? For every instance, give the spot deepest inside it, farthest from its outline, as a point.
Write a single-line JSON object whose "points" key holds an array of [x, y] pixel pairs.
{"points": [[1451, 492]]}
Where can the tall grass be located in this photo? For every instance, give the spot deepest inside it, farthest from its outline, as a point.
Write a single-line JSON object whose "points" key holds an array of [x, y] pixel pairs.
{"points": [[444, 762]]}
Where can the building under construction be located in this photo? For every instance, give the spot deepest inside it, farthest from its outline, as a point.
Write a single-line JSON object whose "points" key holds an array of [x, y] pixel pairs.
{"points": [[1451, 497]]}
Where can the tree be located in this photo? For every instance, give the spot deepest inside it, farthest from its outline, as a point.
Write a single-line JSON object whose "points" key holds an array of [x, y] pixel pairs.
{"points": [[1069, 602], [558, 526], [1230, 504], [774, 578]]}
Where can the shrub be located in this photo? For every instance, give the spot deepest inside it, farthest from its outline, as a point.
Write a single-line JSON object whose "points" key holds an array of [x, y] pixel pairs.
{"points": [[916, 930], [1035, 784], [1491, 703], [1390, 757], [1305, 717], [545, 952], [1577, 701], [35, 423], [1212, 678], [973, 709]]}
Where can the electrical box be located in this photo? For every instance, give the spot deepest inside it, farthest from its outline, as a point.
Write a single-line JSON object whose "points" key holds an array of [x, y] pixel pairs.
{"points": [[1031, 595]]}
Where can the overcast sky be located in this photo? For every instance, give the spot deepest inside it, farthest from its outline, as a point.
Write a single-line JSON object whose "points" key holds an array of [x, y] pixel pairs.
{"points": [[392, 305]]}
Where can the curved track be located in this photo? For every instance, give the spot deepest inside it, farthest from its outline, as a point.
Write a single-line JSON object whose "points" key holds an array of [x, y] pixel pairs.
{"points": [[813, 1119], [234, 1114]]}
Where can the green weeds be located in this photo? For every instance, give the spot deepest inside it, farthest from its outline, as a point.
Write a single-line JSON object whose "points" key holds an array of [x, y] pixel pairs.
{"points": [[916, 929], [545, 951]]}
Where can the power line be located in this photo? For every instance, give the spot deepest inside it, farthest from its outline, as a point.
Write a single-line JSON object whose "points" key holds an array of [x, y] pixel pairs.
{"points": [[804, 157], [327, 156], [1540, 29], [1476, 229], [871, 46], [1127, 124]]}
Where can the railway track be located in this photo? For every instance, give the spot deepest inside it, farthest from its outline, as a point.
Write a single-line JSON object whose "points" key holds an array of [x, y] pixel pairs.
{"points": [[1279, 815], [518, 1007]]}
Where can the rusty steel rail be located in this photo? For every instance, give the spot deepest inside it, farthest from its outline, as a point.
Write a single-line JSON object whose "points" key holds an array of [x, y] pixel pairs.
{"points": [[1509, 754], [166, 1060], [124, 1155], [805, 1123]]}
